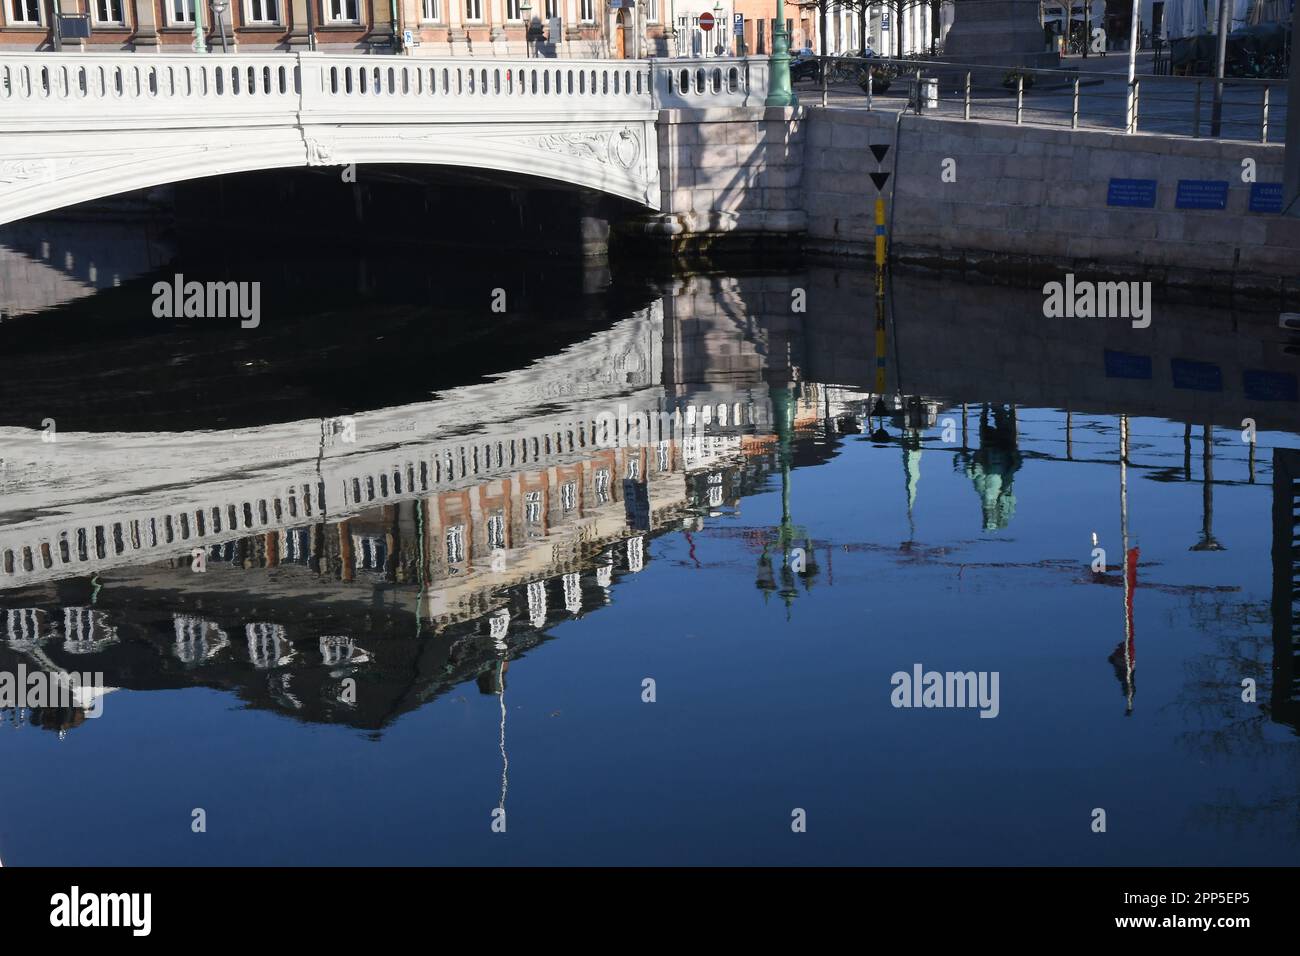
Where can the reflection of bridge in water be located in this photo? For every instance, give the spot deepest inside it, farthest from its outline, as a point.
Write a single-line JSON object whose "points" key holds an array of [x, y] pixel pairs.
{"points": [[487, 515], [492, 512]]}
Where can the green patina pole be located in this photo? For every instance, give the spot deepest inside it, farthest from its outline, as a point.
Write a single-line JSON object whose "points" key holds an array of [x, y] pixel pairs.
{"points": [[779, 91], [783, 413], [199, 45]]}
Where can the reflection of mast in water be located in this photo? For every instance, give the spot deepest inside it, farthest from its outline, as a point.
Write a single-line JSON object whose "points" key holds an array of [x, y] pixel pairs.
{"points": [[494, 682], [505, 761], [1124, 657]]}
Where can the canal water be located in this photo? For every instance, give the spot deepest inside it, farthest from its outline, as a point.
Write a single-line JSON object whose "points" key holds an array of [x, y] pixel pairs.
{"points": [[637, 568]]}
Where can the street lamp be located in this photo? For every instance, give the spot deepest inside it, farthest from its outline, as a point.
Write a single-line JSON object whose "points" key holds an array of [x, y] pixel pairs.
{"points": [[218, 11], [779, 91], [526, 12], [719, 26]]}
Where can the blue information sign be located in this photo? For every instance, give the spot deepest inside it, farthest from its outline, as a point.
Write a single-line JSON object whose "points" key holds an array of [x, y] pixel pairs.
{"points": [[1202, 194], [1140, 193], [1264, 386], [1199, 376], [1127, 365], [1265, 197]]}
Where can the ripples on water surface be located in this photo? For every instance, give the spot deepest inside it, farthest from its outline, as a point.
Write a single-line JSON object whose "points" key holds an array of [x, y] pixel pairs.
{"points": [[457, 611]]}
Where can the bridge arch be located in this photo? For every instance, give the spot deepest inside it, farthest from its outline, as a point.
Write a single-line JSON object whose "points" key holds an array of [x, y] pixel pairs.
{"points": [[75, 128], [83, 127]]}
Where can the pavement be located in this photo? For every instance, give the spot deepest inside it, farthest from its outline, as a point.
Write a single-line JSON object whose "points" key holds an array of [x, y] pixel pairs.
{"points": [[1166, 104]]}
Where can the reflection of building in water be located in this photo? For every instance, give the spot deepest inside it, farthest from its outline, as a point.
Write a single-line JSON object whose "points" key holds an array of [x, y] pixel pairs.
{"points": [[993, 466], [483, 569], [32, 639], [25, 627], [86, 630], [1284, 703], [268, 645], [337, 651], [197, 640]]}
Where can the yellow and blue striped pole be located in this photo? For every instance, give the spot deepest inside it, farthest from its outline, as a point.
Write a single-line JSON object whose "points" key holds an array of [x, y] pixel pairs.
{"points": [[880, 242], [880, 296]]}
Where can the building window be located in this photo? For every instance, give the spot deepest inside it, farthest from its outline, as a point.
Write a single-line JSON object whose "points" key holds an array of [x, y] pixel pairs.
{"points": [[512, 10], [551, 9], [456, 544], [569, 496], [602, 485], [474, 10], [25, 11], [533, 507], [108, 12], [341, 11], [587, 11], [430, 11], [652, 11], [263, 11]]}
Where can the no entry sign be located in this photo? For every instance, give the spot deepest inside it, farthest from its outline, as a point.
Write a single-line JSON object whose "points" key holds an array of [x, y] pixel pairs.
{"points": [[706, 21]]}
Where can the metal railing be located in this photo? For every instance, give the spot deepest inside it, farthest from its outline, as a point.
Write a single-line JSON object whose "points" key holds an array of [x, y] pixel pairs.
{"points": [[1253, 110]]}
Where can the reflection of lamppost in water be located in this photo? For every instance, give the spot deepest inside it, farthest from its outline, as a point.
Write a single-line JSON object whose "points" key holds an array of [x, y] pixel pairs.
{"points": [[783, 406], [1208, 542]]}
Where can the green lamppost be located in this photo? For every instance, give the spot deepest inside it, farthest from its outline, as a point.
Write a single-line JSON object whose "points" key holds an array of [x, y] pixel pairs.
{"points": [[779, 91], [199, 45]]}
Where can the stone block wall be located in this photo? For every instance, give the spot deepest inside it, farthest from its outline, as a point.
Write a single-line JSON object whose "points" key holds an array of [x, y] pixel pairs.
{"points": [[1033, 200], [730, 171]]}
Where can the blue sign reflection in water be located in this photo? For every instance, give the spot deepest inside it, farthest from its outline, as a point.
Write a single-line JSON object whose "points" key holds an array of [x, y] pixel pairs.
{"points": [[457, 613]]}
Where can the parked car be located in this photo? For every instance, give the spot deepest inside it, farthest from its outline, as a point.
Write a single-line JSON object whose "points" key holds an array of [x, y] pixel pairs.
{"points": [[805, 66]]}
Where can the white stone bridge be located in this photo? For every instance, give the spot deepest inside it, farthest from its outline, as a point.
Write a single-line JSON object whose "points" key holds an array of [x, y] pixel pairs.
{"points": [[79, 127]]}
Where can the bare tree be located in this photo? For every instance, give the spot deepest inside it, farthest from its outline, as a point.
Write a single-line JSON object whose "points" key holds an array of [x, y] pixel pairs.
{"points": [[897, 8], [824, 7]]}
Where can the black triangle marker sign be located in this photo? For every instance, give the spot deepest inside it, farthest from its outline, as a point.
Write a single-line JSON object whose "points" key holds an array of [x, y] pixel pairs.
{"points": [[879, 179], [879, 150]]}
